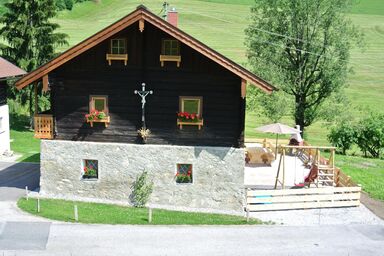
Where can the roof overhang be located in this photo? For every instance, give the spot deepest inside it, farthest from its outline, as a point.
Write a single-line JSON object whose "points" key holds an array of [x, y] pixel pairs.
{"points": [[141, 13], [9, 71]]}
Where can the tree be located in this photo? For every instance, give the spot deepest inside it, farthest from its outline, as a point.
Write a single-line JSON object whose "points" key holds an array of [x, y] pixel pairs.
{"points": [[30, 38], [342, 136], [303, 46], [370, 135]]}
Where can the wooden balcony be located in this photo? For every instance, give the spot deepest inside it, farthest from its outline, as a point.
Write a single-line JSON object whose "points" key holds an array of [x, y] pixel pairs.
{"points": [[43, 126]]}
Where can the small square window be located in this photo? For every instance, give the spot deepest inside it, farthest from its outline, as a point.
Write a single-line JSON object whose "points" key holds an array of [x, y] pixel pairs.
{"points": [[118, 46], [192, 105], [170, 47], [99, 103], [90, 169], [184, 173]]}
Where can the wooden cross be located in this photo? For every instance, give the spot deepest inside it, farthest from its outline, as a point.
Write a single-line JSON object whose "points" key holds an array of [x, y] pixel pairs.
{"points": [[143, 94]]}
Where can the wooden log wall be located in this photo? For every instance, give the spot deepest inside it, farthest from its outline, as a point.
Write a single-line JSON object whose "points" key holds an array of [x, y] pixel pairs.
{"points": [[89, 74]]}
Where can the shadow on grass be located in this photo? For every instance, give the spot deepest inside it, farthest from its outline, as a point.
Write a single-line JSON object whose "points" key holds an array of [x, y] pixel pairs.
{"points": [[20, 123], [35, 158]]}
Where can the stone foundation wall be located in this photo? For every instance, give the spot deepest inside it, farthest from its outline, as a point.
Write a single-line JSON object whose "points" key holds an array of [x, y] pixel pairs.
{"points": [[218, 173]]}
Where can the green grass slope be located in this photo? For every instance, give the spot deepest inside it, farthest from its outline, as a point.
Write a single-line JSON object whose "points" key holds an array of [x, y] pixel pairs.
{"points": [[221, 23]]}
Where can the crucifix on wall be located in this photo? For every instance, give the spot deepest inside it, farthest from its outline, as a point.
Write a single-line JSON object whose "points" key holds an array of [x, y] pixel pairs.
{"points": [[143, 94]]}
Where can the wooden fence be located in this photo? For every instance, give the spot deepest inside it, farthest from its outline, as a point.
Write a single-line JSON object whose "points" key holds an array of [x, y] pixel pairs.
{"points": [[269, 200], [43, 126]]}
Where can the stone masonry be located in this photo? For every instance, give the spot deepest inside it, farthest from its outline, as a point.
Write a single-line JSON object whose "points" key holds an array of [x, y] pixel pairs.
{"points": [[218, 173]]}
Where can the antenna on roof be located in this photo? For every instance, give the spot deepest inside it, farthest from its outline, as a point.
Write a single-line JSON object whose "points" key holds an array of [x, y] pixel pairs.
{"points": [[164, 11]]}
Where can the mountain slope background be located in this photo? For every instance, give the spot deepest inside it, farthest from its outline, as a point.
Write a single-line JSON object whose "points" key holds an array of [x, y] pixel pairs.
{"points": [[220, 24]]}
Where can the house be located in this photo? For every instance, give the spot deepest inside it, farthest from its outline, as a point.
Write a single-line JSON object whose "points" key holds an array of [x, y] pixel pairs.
{"points": [[7, 71], [138, 73]]}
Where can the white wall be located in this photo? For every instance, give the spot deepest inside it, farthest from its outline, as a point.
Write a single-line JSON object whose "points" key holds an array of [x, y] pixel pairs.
{"points": [[4, 129]]}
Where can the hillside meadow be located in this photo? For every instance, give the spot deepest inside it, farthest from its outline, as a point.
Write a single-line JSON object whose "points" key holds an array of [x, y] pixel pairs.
{"points": [[220, 24]]}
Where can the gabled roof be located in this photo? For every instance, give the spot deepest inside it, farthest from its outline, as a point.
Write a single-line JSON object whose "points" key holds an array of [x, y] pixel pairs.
{"points": [[7, 69], [141, 13]]}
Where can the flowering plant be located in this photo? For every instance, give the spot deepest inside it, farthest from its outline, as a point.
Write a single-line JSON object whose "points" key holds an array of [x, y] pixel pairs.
{"points": [[184, 178], [95, 115], [188, 117], [90, 172]]}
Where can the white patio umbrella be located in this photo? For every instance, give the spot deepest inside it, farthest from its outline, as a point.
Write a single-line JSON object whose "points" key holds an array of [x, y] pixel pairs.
{"points": [[278, 129]]}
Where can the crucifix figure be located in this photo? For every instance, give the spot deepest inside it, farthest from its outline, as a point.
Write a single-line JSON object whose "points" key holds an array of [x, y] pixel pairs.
{"points": [[143, 93]]}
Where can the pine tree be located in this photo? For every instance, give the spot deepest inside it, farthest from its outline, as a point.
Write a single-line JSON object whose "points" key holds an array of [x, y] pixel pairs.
{"points": [[29, 36]]}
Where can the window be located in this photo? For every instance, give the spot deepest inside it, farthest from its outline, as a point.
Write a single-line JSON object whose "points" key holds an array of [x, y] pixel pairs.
{"points": [[118, 46], [90, 169], [192, 105], [170, 47], [99, 103], [184, 173]]}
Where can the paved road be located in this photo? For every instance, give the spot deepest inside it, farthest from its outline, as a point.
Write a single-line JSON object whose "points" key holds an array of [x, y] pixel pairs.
{"points": [[67, 239], [15, 176], [23, 234]]}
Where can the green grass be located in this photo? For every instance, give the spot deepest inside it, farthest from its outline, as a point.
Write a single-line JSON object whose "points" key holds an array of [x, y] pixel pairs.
{"points": [[22, 140], [365, 171], [112, 214], [221, 23]]}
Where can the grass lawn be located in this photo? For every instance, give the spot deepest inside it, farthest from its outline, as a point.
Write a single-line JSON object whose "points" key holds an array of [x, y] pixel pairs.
{"points": [[112, 214], [365, 171], [22, 140]]}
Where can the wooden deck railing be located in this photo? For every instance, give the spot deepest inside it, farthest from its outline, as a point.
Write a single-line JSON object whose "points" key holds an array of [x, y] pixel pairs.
{"points": [[43, 126]]}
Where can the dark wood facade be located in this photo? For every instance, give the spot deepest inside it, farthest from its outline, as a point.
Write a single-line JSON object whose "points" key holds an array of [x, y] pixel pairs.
{"points": [[89, 74], [3, 93]]}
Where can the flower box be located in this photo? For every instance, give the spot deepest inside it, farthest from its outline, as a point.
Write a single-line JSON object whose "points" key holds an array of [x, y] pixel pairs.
{"points": [[185, 118], [97, 117]]}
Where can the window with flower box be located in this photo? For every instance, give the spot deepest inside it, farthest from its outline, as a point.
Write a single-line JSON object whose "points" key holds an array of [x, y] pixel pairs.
{"points": [[184, 173], [98, 110], [190, 111], [90, 169], [170, 51], [118, 50]]}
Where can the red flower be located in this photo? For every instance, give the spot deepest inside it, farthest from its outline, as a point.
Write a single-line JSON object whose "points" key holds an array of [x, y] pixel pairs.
{"points": [[85, 169]]}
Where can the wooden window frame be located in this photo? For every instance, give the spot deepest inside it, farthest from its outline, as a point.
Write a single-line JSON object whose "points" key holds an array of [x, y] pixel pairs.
{"points": [[92, 103], [164, 57], [117, 56], [199, 123], [118, 39], [107, 119], [163, 42], [199, 98]]}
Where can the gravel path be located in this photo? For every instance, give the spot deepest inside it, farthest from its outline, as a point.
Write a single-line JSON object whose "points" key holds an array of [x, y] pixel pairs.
{"points": [[325, 216]]}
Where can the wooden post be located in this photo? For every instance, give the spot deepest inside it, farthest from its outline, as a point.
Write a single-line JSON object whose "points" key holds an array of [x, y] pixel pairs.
{"points": [[26, 192], [35, 97], [38, 204], [76, 213], [283, 167], [247, 214], [149, 215], [278, 171]]}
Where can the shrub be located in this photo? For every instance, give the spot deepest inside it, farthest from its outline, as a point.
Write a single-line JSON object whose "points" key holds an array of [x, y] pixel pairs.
{"points": [[342, 136], [141, 190], [370, 135]]}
